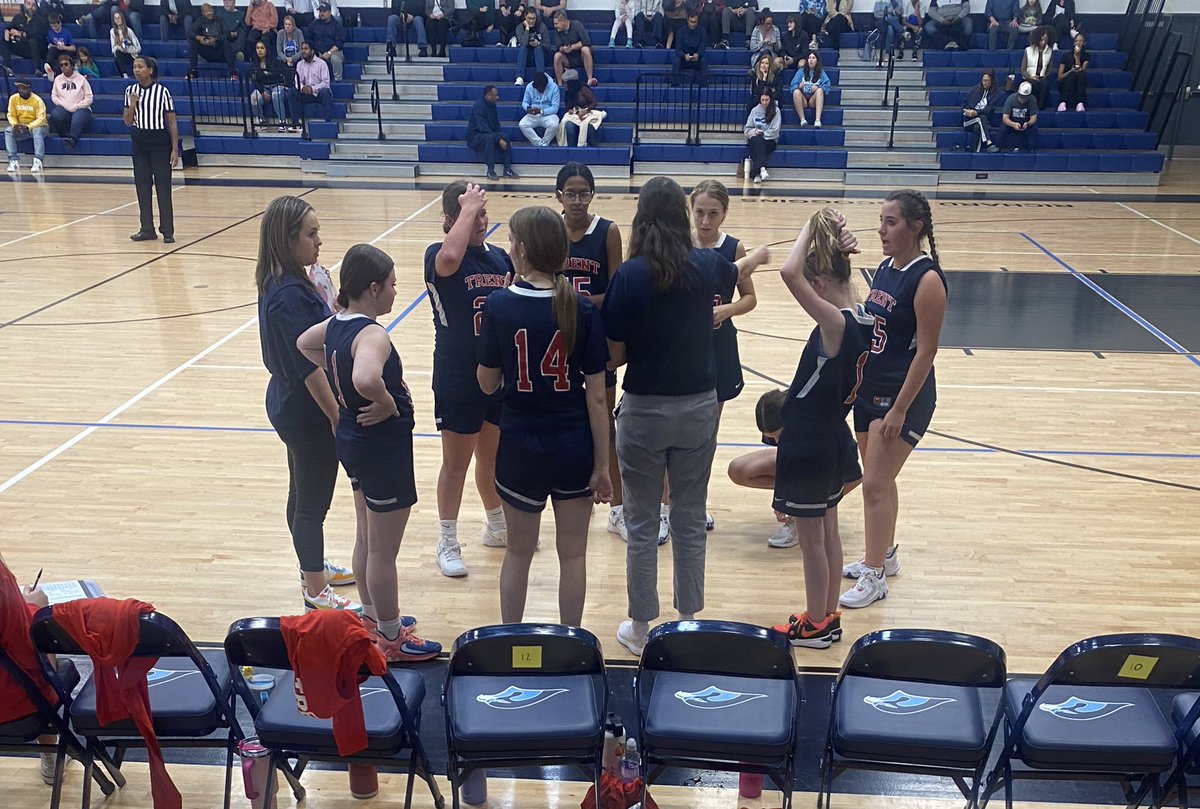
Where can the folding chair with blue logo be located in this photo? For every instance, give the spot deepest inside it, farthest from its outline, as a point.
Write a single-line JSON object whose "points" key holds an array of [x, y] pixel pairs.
{"points": [[718, 695], [1185, 712], [391, 710], [1093, 715], [525, 695], [915, 701], [191, 697]]}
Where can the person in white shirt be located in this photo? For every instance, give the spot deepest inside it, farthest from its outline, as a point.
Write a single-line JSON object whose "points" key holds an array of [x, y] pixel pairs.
{"points": [[1036, 63], [623, 13]]}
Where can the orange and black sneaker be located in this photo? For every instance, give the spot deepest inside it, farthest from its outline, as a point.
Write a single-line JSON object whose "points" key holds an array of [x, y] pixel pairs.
{"points": [[835, 619], [803, 632]]}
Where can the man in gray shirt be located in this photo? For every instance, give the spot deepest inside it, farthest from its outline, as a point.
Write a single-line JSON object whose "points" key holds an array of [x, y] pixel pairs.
{"points": [[572, 48]]}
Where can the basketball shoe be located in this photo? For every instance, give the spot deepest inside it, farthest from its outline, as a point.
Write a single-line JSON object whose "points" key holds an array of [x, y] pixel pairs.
{"points": [[329, 600], [891, 565], [407, 648]]}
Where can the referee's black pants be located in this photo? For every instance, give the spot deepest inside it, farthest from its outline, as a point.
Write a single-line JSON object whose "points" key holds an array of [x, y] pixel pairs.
{"points": [[152, 170]]}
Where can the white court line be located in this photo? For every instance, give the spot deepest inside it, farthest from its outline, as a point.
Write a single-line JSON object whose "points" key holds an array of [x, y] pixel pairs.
{"points": [[1069, 252], [67, 224], [1048, 389], [1192, 239], [75, 439]]}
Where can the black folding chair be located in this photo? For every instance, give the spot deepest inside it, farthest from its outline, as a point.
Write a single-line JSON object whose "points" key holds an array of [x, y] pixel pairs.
{"points": [[914, 701], [1185, 712], [525, 695], [391, 709], [718, 695], [1093, 715], [191, 698]]}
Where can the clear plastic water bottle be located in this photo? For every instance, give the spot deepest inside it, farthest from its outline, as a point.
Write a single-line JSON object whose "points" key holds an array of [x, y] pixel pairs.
{"points": [[631, 762]]}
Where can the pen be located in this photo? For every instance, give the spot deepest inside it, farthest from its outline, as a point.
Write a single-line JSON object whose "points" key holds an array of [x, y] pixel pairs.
{"points": [[38, 579]]}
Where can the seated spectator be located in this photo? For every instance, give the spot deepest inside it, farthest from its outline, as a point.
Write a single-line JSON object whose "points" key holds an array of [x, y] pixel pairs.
{"points": [[762, 134], [1002, 16], [690, 45], [59, 42], [839, 19], [328, 38], [1072, 77], [541, 110], [978, 109], [950, 25], [125, 45], [480, 19], [546, 9], [581, 124], [484, 135], [812, 17], [408, 14], [304, 12], [272, 83], [809, 86], [72, 97], [261, 21], [235, 28], [764, 78], [1036, 63], [507, 20], [674, 18], [26, 119], [1019, 121], [532, 37], [101, 12], [793, 46], [208, 38], [1060, 15], [573, 48], [438, 14], [288, 42], [765, 40], [710, 19], [1029, 16], [904, 20], [741, 12], [26, 36], [623, 15], [312, 74], [86, 66], [648, 24], [175, 14]]}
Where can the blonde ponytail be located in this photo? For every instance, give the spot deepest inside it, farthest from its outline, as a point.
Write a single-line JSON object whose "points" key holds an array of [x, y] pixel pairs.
{"points": [[566, 310]]}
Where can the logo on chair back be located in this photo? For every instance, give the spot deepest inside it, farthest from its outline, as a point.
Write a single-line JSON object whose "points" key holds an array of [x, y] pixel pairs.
{"points": [[712, 698], [901, 702], [1081, 710], [157, 676], [515, 697]]}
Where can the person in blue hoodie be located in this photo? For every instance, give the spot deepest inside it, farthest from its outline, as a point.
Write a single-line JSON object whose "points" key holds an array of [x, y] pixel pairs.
{"points": [[484, 135], [540, 105]]}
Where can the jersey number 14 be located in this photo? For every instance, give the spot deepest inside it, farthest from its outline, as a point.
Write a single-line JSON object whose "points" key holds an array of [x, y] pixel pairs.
{"points": [[553, 364]]}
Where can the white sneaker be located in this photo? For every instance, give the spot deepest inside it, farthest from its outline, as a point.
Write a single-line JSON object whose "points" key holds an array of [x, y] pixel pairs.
{"points": [[519, 82], [803, 121], [494, 539], [870, 588], [762, 173], [616, 523], [664, 529], [629, 639], [891, 565], [14, 165], [449, 559], [327, 599], [46, 767], [785, 537], [709, 522], [37, 166], [817, 124], [758, 179]]}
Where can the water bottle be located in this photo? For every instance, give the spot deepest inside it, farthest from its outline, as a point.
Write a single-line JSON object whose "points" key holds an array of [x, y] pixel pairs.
{"points": [[256, 766], [474, 788], [614, 744], [261, 684], [750, 784], [631, 763], [364, 781]]}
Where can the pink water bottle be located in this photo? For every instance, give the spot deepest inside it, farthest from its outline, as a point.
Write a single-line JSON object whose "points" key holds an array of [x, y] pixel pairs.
{"points": [[256, 766], [364, 781], [750, 784]]}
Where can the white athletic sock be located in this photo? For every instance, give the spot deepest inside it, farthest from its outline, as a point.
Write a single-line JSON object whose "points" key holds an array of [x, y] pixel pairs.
{"points": [[448, 531], [878, 571], [495, 519], [641, 628], [666, 509], [369, 611], [390, 629]]}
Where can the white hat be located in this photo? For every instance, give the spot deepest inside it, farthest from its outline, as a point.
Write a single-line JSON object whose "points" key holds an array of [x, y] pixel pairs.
{"points": [[1026, 89]]}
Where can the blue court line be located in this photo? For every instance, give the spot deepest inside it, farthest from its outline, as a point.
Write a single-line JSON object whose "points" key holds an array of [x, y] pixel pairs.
{"points": [[408, 309], [1158, 333]]}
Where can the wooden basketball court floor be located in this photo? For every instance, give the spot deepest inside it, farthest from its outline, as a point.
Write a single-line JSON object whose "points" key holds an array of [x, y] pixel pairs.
{"points": [[1056, 499]]}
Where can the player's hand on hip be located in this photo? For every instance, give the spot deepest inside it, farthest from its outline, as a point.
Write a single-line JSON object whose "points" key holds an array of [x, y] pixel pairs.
{"points": [[377, 413]]}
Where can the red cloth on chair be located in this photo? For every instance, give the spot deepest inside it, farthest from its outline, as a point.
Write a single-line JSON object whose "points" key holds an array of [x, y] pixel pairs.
{"points": [[108, 631], [326, 649], [15, 619], [616, 794]]}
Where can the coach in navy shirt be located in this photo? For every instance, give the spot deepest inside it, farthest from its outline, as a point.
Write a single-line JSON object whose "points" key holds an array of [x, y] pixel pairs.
{"points": [[484, 135]]}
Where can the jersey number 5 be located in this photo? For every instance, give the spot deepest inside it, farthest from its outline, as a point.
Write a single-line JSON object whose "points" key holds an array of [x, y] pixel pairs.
{"points": [[879, 338], [553, 364]]}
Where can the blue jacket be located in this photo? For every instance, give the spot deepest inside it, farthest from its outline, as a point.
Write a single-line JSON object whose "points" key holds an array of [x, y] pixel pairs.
{"points": [[822, 82], [547, 100], [1002, 10], [689, 40], [324, 35]]}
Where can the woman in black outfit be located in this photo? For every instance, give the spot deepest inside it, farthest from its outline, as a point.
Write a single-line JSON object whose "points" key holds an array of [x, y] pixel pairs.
{"points": [[1072, 77], [438, 14], [150, 115], [978, 110], [273, 82], [763, 79], [793, 43]]}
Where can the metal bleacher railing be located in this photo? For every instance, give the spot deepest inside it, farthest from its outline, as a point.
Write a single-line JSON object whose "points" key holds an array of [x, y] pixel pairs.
{"points": [[691, 105], [1160, 67], [377, 107], [217, 100]]}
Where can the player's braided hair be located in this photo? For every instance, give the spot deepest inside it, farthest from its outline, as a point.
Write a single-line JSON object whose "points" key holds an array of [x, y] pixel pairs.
{"points": [[915, 208]]}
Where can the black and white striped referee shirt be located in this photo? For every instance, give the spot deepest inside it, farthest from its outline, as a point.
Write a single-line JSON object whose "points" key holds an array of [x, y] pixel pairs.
{"points": [[154, 102]]}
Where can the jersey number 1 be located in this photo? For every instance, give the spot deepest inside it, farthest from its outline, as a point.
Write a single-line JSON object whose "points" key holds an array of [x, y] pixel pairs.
{"points": [[553, 365]]}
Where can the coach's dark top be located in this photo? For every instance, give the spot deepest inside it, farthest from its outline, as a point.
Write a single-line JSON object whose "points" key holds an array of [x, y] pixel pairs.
{"points": [[339, 367], [668, 336], [823, 389], [286, 308], [587, 264]]}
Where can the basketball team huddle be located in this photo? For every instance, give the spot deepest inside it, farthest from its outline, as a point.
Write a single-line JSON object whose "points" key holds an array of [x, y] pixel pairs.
{"points": [[528, 341]]}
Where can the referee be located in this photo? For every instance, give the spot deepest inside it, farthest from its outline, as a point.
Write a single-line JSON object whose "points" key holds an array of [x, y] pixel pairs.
{"points": [[150, 114]]}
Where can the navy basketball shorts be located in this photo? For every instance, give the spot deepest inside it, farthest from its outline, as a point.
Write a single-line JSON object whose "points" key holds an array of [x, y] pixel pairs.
{"points": [[729, 364], [916, 422], [381, 467], [531, 467], [851, 467], [465, 412], [810, 471]]}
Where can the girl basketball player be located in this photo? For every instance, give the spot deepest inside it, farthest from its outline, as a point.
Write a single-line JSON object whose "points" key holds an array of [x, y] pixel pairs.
{"points": [[300, 404], [814, 445], [546, 343], [896, 400], [374, 438], [595, 255], [460, 273]]}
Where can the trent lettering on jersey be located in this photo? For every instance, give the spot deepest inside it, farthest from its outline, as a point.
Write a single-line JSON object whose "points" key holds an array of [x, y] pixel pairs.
{"points": [[824, 387], [457, 302], [339, 367], [894, 337], [587, 265]]}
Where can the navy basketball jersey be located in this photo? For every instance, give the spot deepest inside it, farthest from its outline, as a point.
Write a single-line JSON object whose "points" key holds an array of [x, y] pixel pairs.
{"points": [[339, 367], [587, 265], [543, 378], [727, 246], [457, 302], [824, 387], [894, 342]]}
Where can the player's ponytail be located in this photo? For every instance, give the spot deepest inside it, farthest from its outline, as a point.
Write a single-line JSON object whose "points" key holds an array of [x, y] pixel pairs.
{"points": [[363, 265], [544, 236], [915, 208], [566, 310], [662, 233], [825, 257]]}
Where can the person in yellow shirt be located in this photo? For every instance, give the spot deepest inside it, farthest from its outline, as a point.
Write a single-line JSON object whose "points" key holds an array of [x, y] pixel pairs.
{"points": [[26, 118]]}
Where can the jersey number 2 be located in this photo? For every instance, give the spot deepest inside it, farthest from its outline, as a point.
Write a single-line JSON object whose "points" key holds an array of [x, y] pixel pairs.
{"points": [[553, 365], [478, 306]]}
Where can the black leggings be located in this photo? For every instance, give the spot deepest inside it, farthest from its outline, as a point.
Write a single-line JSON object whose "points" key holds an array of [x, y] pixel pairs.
{"points": [[312, 474]]}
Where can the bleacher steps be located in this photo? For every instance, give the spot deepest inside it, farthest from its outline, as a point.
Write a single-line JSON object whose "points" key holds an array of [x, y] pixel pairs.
{"points": [[728, 172], [406, 92], [890, 158], [874, 97], [477, 171], [882, 116], [368, 149], [1041, 179], [393, 110], [339, 166], [893, 179], [368, 128], [879, 137]]}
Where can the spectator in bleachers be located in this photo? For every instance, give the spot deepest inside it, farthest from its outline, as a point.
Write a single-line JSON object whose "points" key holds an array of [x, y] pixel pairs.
{"points": [[793, 44], [547, 10], [764, 78], [950, 25], [674, 18], [532, 37], [26, 119], [710, 19], [809, 86], [581, 124], [304, 12], [72, 97], [86, 65], [1036, 63], [978, 110], [235, 28], [744, 11], [1029, 16], [288, 42], [101, 12], [839, 19], [812, 17], [272, 84], [313, 76], [481, 17], [175, 14], [540, 104], [26, 36], [507, 20], [573, 48], [484, 135], [328, 38], [125, 45], [762, 134], [690, 44], [1019, 122], [58, 42], [765, 40], [208, 38], [261, 21], [438, 14], [648, 24], [1060, 15], [1002, 16], [623, 14], [905, 21], [1072, 77], [408, 14]]}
